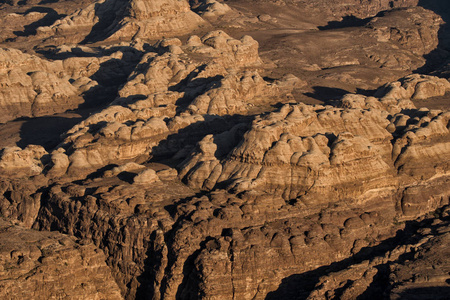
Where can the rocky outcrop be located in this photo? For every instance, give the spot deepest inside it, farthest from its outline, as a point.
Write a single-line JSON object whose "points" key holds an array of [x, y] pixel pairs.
{"points": [[358, 8], [201, 175], [32, 86], [312, 145], [396, 272], [44, 265], [415, 87], [120, 19], [300, 142], [210, 9], [398, 95], [213, 245], [210, 239], [170, 90], [157, 19], [415, 29], [410, 33], [15, 161], [136, 209]]}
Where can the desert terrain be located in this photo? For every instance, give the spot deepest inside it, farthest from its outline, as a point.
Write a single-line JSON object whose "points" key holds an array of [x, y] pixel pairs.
{"points": [[240, 149]]}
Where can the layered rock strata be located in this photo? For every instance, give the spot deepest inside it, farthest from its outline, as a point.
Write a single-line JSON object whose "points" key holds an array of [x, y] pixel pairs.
{"points": [[45, 265], [170, 90], [32, 86], [120, 19], [202, 179], [315, 147], [415, 269]]}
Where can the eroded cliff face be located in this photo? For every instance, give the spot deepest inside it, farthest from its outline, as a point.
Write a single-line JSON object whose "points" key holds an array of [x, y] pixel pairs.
{"points": [[200, 168], [121, 19], [45, 265], [395, 272]]}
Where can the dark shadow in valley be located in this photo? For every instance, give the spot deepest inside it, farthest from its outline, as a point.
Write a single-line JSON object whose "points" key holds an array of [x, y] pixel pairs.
{"points": [[366, 92], [169, 150], [96, 174], [195, 88], [333, 95], [152, 263], [327, 95], [191, 87], [299, 286], [50, 17], [51, 53], [111, 75], [347, 21], [107, 13], [190, 286], [155, 256], [44, 2], [438, 60], [45, 131], [127, 176], [425, 293]]}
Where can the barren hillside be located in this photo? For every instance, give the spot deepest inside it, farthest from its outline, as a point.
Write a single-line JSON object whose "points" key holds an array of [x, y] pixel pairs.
{"points": [[241, 149]]}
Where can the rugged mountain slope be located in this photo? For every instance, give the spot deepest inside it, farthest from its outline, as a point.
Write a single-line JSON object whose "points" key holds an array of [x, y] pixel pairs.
{"points": [[45, 265], [210, 164]]}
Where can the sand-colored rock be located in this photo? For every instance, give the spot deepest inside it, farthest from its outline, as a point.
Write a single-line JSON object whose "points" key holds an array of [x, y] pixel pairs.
{"points": [[128, 167], [396, 272], [59, 162], [171, 90], [45, 265], [145, 177], [17, 162], [416, 86], [198, 171], [299, 141], [119, 19], [408, 28], [32, 86], [211, 9], [157, 19], [300, 153], [359, 8]]}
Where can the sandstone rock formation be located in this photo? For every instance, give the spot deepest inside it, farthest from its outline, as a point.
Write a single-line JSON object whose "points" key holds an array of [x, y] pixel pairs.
{"points": [[416, 87], [396, 272], [172, 89], [211, 9], [118, 19], [22, 163], [396, 26], [360, 8], [44, 265], [32, 86], [210, 164], [36, 87], [314, 148]]}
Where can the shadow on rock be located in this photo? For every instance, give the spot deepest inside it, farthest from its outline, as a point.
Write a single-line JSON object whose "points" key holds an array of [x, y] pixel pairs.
{"points": [[438, 60], [45, 131], [50, 17], [328, 95], [107, 13], [425, 293], [347, 21], [299, 286]]}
